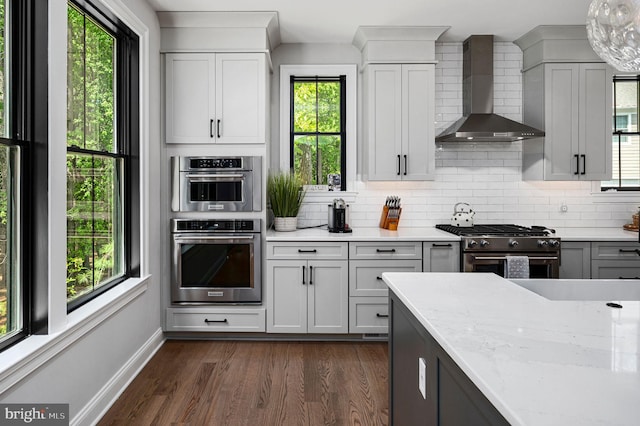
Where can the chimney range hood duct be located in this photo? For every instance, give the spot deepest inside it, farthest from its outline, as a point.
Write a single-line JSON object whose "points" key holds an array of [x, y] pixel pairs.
{"points": [[479, 123]]}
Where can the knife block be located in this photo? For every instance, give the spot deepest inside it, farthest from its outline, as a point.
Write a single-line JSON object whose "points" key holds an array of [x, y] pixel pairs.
{"points": [[390, 218]]}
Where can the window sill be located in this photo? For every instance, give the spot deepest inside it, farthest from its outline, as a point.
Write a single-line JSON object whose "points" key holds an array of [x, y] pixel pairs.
{"points": [[26, 356], [327, 197], [613, 196]]}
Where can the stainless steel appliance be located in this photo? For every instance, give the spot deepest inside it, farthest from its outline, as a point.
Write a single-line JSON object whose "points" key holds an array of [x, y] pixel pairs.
{"points": [[338, 220], [485, 248], [216, 261], [229, 184]]}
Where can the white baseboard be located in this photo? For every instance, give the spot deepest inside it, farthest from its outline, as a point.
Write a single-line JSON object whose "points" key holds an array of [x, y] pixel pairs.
{"points": [[98, 406]]}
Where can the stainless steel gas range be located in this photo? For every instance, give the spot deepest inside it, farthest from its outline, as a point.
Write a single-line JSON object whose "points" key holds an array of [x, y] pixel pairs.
{"points": [[488, 248]]}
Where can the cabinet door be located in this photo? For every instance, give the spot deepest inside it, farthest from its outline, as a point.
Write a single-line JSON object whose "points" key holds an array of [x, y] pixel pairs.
{"points": [[383, 120], [441, 257], [615, 269], [595, 121], [418, 99], [240, 103], [575, 260], [287, 296], [328, 297], [561, 152], [365, 276], [189, 98]]}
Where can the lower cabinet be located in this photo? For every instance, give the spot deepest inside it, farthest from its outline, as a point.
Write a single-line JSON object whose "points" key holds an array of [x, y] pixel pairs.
{"points": [[307, 296], [575, 260], [208, 319], [369, 315], [446, 395], [615, 260], [440, 256]]}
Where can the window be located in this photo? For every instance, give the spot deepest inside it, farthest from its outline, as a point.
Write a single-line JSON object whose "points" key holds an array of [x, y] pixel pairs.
{"points": [[318, 130], [626, 136], [102, 141]]}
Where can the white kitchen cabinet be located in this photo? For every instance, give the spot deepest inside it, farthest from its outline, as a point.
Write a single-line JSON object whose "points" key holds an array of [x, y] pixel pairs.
{"points": [[575, 260], [215, 319], [307, 294], [572, 102], [440, 256], [399, 118], [615, 260], [215, 98]]}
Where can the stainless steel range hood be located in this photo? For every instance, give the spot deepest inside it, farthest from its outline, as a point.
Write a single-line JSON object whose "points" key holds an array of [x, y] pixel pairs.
{"points": [[479, 123]]}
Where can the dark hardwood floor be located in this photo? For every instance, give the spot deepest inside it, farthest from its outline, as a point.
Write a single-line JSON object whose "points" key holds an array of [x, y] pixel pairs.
{"points": [[258, 384]]}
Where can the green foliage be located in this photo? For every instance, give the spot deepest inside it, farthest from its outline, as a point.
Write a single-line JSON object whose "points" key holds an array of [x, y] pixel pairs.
{"points": [[284, 194]]}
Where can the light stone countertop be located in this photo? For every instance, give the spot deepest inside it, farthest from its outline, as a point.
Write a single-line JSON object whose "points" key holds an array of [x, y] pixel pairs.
{"points": [[430, 233], [539, 362]]}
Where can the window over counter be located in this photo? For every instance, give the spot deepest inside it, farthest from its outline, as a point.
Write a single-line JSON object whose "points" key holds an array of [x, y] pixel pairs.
{"points": [[102, 152], [318, 124], [626, 136]]}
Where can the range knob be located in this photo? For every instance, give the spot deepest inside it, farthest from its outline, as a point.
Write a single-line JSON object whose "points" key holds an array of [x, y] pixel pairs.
{"points": [[484, 243], [513, 243], [472, 243], [554, 243], [543, 243]]}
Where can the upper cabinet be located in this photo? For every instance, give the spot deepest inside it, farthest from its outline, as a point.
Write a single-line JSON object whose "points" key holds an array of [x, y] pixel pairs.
{"points": [[398, 66], [567, 91], [399, 121], [216, 97]]}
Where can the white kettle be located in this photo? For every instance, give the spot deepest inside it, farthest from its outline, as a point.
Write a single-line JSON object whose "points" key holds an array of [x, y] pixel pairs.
{"points": [[462, 215]]}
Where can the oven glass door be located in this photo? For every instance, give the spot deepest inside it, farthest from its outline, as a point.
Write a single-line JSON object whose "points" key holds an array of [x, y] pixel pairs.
{"points": [[216, 269], [540, 266], [213, 187]]}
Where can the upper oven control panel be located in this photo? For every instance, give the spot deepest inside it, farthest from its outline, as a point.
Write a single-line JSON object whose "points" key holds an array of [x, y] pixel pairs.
{"points": [[215, 225], [215, 163]]}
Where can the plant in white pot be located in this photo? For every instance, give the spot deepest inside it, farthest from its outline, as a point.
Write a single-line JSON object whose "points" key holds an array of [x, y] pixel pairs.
{"points": [[285, 195]]}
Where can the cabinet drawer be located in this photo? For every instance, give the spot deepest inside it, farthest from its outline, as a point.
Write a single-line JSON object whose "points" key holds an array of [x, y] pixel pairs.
{"points": [[368, 315], [208, 319], [365, 275], [615, 269], [615, 250], [297, 250], [386, 250]]}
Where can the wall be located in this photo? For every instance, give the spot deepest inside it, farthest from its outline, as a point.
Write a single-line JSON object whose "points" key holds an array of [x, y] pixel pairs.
{"points": [[95, 352], [487, 176]]}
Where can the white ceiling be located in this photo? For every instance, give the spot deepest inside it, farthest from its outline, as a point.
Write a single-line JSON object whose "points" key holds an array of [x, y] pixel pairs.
{"points": [[335, 21]]}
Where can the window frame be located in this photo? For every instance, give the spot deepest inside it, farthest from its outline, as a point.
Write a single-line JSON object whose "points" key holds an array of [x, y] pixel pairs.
{"points": [[127, 136], [351, 73]]}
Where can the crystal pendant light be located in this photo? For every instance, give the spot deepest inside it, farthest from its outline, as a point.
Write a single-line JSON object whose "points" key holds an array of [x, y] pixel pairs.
{"points": [[613, 29]]}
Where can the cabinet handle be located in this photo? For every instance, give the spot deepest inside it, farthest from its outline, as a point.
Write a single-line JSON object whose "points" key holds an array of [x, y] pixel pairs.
{"points": [[382, 315], [303, 271], [310, 275], [211, 128], [307, 251], [405, 165], [385, 250], [218, 129], [577, 157], [629, 278], [636, 251], [208, 321], [441, 245], [584, 164], [398, 166], [379, 278]]}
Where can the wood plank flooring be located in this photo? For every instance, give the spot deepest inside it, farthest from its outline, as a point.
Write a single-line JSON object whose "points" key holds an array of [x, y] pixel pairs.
{"points": [[258, 384]]}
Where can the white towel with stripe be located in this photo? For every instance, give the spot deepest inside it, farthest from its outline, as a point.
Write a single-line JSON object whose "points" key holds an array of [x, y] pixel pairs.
{"points": [[517, 267]]}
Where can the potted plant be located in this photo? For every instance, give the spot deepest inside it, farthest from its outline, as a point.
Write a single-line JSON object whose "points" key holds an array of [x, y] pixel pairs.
{"points": [[285, 195]]}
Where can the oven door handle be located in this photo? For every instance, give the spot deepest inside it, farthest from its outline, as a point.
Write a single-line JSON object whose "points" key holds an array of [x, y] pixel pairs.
{"points": [[179, 238], [213, 176], [505, 257]]}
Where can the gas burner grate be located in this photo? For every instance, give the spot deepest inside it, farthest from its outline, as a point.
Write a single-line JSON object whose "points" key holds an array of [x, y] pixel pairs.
{"points": [[497, 230]]}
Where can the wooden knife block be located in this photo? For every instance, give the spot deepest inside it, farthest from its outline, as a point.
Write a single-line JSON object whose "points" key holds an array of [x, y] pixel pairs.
{"points": [[390, 223]]}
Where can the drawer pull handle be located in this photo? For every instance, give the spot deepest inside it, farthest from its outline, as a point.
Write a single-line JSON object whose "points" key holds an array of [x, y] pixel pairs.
{"points": [[208, 321], [441, 245], [636, 251], [379, 278], [385, 250], [629, 278], [307, 251], [382, 315]]}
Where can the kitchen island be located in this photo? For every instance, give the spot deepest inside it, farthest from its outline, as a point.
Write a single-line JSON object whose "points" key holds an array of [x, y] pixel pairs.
{"points": [[494, 352]]}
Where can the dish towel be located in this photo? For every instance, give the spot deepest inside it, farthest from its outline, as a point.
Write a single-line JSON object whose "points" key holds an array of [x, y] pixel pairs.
{"points": [[517, 267]]}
